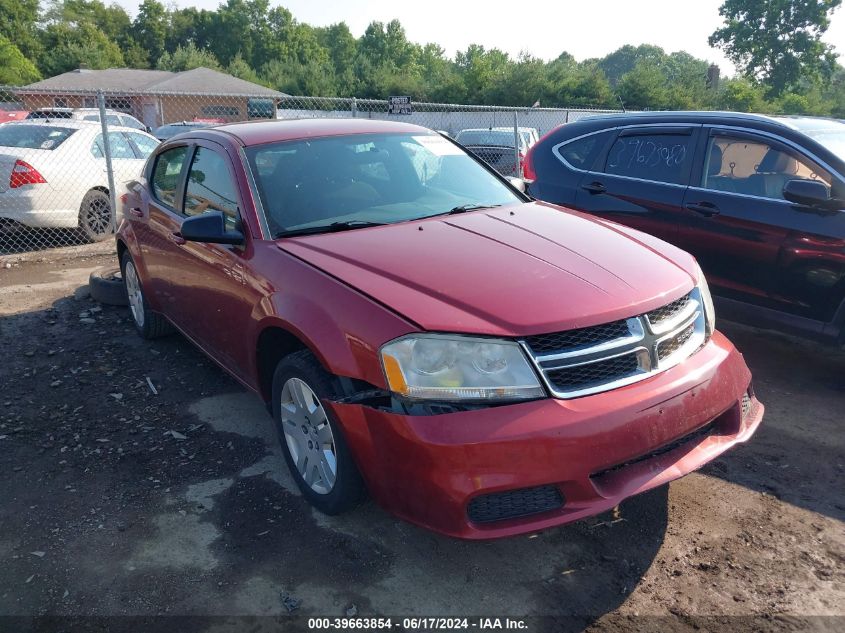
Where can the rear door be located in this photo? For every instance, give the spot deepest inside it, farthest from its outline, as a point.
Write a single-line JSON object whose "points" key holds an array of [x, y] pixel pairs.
{"points": [[754, 245], [641, 179]]}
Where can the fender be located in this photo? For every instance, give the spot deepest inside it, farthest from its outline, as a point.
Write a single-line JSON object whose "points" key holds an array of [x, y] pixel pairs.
{"points": [[342, 327]]}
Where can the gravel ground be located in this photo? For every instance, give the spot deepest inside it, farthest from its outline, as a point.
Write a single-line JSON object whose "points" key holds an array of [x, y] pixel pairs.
{"points": [[136, 479]]}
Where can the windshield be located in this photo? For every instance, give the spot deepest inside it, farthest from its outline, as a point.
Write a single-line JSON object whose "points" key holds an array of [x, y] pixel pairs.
{"points": [[33, 136], [381, 179], [498, 138], [826, 132]]}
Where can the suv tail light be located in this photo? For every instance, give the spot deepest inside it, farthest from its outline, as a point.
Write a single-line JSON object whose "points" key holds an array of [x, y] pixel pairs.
{"points": [[528, 172], [24, 174]]}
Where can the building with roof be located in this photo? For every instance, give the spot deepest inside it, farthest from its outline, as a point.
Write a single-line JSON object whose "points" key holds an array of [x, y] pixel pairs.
{"points": [[156, 97]]}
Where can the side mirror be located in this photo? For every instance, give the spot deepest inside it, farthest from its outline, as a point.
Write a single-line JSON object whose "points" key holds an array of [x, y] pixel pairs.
{"points": [[517, 183], [209, 227], [811, 193]]}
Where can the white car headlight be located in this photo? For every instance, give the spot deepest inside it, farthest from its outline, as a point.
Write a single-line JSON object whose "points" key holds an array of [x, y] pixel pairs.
{"points": [[707, 301], [451, 367]]}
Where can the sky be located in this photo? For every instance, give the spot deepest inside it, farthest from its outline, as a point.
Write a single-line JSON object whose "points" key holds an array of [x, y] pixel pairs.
{"points": [[543, 28]]}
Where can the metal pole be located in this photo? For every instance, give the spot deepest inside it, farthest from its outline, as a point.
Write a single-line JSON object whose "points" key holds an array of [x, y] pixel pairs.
{"points": [[101, 103], [354, 107], [517, 166]]}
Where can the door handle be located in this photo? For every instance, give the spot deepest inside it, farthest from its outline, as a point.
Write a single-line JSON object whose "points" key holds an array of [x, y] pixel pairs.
{"points": [[594, 187], [707, 209], [177, 239], [135, 212]]}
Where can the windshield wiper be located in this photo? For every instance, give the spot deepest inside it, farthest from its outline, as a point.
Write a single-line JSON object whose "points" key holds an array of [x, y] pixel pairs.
{"points": [[334, 227], [469, 207]]}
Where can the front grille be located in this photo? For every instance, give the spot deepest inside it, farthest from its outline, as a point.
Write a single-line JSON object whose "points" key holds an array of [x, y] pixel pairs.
{"points": [[671, 345], [563, 341], [512, 504], [593, 359], [746, 405], [581, 376], [669, 311]]}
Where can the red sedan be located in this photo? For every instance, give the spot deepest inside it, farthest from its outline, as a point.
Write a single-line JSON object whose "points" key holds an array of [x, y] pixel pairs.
{"points": [[482, 364]]}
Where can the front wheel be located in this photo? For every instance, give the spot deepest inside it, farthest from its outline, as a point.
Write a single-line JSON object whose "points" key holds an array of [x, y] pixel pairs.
{"points": [[313, 444]]}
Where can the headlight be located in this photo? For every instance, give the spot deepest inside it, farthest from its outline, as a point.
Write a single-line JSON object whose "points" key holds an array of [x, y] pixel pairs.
{"points": [[707, 301], [448, 367]]}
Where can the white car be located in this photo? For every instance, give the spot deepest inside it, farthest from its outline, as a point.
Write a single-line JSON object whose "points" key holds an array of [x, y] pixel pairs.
{"points": [[113, 117], [53, 173]]}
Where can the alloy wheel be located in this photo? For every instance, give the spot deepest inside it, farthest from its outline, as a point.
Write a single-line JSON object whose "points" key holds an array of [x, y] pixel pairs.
{"points": [[134, 293]]}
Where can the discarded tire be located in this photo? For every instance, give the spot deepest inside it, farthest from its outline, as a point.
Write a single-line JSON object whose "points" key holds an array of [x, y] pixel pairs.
{"points": [[106, 286]]}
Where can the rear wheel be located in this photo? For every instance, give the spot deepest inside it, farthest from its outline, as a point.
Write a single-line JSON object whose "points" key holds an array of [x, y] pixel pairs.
{"points": [[313, 443], [148, 323], [95, 216]]}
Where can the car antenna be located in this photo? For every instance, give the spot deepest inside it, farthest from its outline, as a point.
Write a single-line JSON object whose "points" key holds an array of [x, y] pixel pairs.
{"points": [[621, 103]]}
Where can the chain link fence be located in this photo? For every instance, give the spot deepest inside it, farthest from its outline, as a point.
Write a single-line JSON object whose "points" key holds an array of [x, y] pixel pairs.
{"points": [[66, 155]]}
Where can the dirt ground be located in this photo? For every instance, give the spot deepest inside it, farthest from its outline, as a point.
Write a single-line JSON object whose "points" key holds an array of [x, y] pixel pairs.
{"points": [[136, 479]]}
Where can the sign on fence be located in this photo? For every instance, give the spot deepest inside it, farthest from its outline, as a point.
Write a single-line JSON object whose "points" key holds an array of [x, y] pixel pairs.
{"points": [[399, 105]]}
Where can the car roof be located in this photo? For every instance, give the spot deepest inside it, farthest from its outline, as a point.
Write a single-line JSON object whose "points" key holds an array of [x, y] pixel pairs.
{"points": [[259, 132], [76, 124], [708, 116]]}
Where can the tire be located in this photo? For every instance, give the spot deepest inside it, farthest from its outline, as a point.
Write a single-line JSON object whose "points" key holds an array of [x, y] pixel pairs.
{"points": [[149, 324], [311, 468], [106, 286], [95, 216]]}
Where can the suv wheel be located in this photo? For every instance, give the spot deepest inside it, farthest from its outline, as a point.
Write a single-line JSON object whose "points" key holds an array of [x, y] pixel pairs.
{"points": [[313, 443], [148, 323]]}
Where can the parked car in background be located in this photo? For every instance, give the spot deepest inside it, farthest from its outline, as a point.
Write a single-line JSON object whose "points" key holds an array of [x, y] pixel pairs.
{"points": [[758, 200], [482, 364], [12, 115], [113, 117], [498, 147], [172, 129], [53, 172]]}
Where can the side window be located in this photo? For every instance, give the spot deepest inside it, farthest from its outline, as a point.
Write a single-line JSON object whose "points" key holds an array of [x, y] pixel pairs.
{"points": [[210, 186], [755, 167], [144, 143], [657, 157], [166, 173], [582, 152], [120, 147], [128, 121]]}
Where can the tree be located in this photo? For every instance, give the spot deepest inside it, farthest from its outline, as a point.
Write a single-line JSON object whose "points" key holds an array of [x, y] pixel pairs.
{"points": [[68, 46], [150, 29], [15, 69], [187, 58], [18, 20], [777, 42]]}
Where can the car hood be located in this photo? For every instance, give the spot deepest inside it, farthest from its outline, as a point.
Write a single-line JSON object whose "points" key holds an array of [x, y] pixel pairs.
{"points": [[512, 271]]}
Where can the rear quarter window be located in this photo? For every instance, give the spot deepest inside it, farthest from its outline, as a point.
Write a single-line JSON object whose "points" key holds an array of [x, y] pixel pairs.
{"points": [[581, 153], [656, 157], [33, 136]]}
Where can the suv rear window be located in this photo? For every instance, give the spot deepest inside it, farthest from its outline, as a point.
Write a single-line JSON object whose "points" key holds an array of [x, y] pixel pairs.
{"points": [[33, 136], [656, 157], [494, 138], [581, 153]]}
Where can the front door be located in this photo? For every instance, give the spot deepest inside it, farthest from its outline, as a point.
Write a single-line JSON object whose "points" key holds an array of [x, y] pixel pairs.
{"points": [[641, 180], [754, 245], [214, 290]]}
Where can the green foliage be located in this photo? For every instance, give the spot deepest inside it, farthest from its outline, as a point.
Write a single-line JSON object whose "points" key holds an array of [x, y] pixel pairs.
{"points": [[785, 67], [15, 69], [777, 42], [187, 58], [69, 45]]}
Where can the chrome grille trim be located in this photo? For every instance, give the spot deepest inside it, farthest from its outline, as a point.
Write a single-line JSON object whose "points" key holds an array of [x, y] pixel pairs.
{"points": [[660, 339]]}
